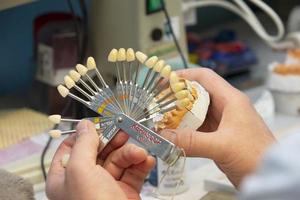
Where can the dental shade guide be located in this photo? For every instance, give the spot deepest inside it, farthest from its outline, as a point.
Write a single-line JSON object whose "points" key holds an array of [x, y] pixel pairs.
{"points": [[132, 105]]}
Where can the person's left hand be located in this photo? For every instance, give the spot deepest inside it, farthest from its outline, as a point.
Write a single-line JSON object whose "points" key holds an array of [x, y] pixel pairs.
{"points": [[120, 176]]}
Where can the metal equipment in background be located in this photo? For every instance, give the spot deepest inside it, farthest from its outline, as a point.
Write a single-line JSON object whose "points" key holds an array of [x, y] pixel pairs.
{"points": [[140, 24]]}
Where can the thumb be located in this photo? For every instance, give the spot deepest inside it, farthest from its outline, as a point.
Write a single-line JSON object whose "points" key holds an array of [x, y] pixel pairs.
{"points": [[194, 143], [86, 145]]}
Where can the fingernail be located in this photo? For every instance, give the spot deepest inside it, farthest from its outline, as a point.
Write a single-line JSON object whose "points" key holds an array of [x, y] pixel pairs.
{"points": [[82, 127], [168, 134]]}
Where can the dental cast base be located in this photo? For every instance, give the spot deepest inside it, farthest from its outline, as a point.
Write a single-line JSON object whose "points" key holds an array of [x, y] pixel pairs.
{"points": [[161, 100]]}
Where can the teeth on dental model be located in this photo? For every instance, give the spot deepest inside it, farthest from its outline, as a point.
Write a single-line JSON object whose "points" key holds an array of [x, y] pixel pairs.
{"points": [[159, 65], [130, 55], [69, 82], [82, 70], [174, 78], [176, 87], [182, 103], [91, 63], [55, 118], [165, 72], [55, 133], [112, 56], [182, 94], [151, 61], [65, 159], [63, 91], [75, 76], [121, 55], [141, 56]]}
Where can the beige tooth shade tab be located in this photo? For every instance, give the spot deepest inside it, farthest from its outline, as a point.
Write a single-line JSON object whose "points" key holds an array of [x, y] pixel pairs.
{"points": [[63, 91], [65, 159], [121, 55], [82, 70], [69, 82], [174, 77], [112, 56], [91, 63], [159, 65], [55, 133], [130, 55], [151, 61], [176, 87], [182, 94], [182, 103], [75, 76], [165, 72], [140, 56], [55, 118]]}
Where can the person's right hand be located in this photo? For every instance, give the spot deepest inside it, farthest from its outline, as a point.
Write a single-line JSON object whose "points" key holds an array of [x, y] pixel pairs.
{"points": [[233, 134]]}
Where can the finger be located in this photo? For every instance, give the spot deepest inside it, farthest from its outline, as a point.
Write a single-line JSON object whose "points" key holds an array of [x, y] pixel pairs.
{"points": [[122, 158], [220, 90], [194, 143], [135, 175], [55, 179], [119, 140], [85, 149]]}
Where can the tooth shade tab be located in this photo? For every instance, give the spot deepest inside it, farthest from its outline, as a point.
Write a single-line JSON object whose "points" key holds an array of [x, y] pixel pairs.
{"points": [[151, 61], [182, 103], [69, 82], [141, 56], [182, 94], [121, 54], [130, 55], [112, 56], [63, 91], [159, 65], [176, 87], [91, 63], [82, 70], [55, 133], [75, 76], [65, 159], [165, 72], [55, 118], [174, 77]]}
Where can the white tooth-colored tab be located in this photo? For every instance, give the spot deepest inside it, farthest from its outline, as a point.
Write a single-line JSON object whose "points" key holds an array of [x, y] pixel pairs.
{"points": [[159, 65], [112, 56], [75, 76], [55, 118], [141, 56], [55, 133], [182, 94], [165, 72], [121, 54], [130, 55], [151, 61], [174, 77], [176, 87], [65, 159], [69, 82], [190, 96], [182, 103], [91, 63], [82, 70], [63, 91]]}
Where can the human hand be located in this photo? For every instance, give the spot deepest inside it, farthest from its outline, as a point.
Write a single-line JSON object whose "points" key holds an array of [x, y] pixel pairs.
{"points": [[233, 134], [86, 176]]}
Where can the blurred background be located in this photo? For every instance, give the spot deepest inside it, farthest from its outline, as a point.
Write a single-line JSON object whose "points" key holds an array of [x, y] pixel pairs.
{"points": [[41, 40]]}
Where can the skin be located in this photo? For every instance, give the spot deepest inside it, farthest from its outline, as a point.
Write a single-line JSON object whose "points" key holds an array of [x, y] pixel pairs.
{"points": [[233, 134], [119, 176]]}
